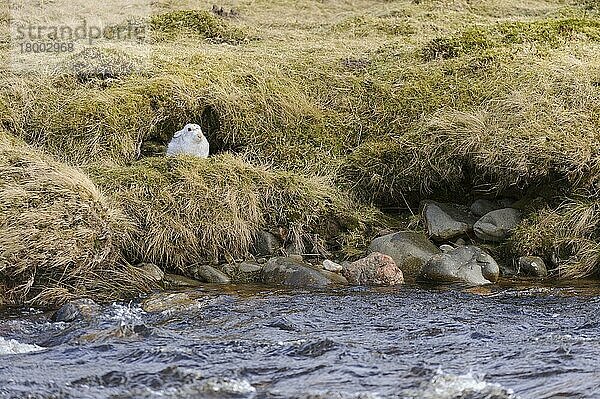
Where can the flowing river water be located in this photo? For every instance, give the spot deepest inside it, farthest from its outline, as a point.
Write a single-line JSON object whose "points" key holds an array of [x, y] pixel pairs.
{"points": [[505, 341]]}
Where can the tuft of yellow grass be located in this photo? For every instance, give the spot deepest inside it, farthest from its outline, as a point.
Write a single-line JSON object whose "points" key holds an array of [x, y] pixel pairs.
{"points": [[568, 235], [389, 102], [59, 237], [189, 210]]}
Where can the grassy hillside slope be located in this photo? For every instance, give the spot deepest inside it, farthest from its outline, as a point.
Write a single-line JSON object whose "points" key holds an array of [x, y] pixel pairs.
{"points": [[329, 107]]}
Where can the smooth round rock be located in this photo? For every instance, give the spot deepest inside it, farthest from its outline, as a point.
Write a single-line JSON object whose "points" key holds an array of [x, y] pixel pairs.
{"points": [[446, 221], [291, 272], [468, 264], [409, 250], [497, 225], [532, 266], [210, 275], [376, 269], [76, 310]]}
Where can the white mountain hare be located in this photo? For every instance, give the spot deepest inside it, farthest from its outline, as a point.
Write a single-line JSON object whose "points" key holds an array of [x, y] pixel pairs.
{"points": [[189, 141]]}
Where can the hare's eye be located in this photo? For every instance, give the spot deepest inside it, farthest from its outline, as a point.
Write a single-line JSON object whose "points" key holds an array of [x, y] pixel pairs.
{"points": [[189, 129]]}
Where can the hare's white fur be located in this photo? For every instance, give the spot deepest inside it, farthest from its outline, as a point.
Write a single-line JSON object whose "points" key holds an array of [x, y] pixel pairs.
{"points": [[189, 141]]}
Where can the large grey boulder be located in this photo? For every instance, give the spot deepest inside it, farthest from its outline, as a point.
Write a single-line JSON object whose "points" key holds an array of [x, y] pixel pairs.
{"points": [[497, 225], [293, 273], [446, 221], [376, 269], [174, 281], [467, 264], [409, 250]]}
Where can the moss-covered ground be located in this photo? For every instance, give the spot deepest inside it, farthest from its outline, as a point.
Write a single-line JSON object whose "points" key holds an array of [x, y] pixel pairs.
{"points": [[321, 114]]}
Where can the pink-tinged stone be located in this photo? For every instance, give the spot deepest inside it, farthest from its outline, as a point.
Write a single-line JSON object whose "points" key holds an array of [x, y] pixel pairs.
{"points": [[376, 269]]}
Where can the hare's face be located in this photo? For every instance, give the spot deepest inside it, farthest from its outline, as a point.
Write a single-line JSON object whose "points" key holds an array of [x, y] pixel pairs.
{"points": [[190, 130]]}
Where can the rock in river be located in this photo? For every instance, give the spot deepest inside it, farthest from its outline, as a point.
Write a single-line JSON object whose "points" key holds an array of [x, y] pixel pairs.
{"points": [[209, 274], [532, 266], [77, 310], [497, 225], [376, 269], [409, 250], [173, 281], [467, 264], [164, 301], [293, 273], [446, 221]]}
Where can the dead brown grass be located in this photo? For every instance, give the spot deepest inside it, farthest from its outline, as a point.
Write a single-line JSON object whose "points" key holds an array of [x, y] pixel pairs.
{"points": [[568, 236], [59, 237], [191, 210]]}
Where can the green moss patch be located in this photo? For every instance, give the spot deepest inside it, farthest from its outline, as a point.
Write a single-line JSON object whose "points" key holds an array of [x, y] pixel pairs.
{"points": [[547, 32], [196, 22]]}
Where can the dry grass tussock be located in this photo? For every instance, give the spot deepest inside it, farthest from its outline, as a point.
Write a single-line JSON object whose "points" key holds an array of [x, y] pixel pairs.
{"points": [[59, 237], [544, 133], [568, 235], [390, 102], [191, 210]]}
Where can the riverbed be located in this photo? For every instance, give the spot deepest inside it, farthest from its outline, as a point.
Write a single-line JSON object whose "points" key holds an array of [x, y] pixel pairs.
{"points": [[505, 341]]}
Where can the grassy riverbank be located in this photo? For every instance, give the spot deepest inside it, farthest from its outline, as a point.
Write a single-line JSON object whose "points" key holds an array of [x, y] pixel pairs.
{"points": [[320, 116]]}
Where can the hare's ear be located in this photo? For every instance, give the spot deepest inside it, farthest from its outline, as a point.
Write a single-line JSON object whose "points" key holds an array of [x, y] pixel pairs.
{"points": [[177, 134]]}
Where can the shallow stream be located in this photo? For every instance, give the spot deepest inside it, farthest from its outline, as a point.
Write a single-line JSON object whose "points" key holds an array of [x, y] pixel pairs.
{"points": [[507, 341]]}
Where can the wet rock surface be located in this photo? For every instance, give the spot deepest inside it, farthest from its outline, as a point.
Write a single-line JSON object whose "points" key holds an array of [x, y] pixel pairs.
{"points": [[172, 281], [209, 274], [532, 266], [497, 225], [468, 264], [410, 250], [164, 301], [376, 269], [83, 309], [292, 272], [335, 277], [446, 221]]}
